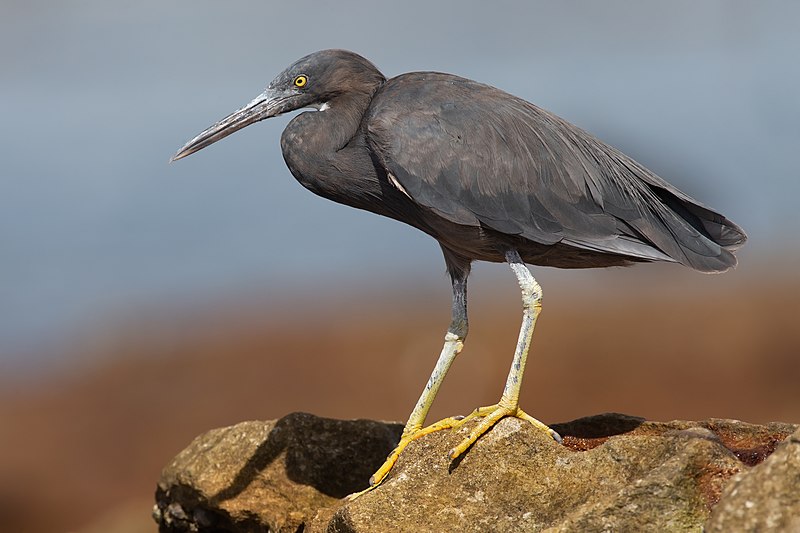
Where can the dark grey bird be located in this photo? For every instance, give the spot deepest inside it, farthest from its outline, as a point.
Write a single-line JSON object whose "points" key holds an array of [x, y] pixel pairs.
{"points": [[488, 175]]}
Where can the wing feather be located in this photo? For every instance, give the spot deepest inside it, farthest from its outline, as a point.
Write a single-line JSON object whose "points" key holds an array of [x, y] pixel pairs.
{"points": [[478, 156]]}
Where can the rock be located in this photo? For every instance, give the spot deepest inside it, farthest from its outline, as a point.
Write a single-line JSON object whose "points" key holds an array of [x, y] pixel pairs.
{"points": [[766, 498], [613, 473], [269, 476]]}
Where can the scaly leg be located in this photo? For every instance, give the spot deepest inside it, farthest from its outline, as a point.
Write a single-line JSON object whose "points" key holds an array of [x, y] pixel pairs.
{"points": [[509, 402], [453, 343]]}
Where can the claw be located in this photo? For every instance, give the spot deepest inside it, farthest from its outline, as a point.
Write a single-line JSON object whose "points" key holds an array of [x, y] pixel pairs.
{"points": [[491, 415], [380, 475]]}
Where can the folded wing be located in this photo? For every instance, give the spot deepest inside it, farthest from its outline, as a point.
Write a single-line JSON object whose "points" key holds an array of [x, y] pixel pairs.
{"points": [[476, 155]]}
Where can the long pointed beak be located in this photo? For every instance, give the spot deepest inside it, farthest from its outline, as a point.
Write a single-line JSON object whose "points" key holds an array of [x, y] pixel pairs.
{"points": [[267, 104]]}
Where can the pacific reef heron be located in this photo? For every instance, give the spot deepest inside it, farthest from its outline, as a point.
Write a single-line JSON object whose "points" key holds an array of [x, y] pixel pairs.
{"points": [[488, 175]]}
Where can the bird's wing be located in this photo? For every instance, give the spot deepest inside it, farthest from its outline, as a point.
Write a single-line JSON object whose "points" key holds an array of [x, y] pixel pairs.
{"points": [[478, 156]]}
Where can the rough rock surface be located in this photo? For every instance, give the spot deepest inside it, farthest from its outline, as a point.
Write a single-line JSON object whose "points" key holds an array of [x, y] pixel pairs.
{"points": [[613, 473], [269, 476], [766, 498]]}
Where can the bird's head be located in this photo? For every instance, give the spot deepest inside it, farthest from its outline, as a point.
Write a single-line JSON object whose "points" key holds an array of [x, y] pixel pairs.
{"points": [[312, 81]]}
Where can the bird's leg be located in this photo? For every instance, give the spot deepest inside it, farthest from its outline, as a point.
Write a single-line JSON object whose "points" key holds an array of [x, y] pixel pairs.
{"points": [[453, 343], [509, 402]]}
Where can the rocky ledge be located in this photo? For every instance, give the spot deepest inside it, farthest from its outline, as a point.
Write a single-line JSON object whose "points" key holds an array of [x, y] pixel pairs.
{"points": [[612, 473]]}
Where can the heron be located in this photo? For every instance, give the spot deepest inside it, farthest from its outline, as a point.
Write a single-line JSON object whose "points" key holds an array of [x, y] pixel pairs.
{"points": [[490, 176]]}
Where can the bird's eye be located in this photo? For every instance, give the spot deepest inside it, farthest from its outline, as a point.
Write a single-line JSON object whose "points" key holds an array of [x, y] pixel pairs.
{"points": [[300, 81]]}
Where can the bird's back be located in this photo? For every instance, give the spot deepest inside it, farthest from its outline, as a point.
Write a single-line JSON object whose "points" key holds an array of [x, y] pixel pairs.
{"points": [[479, 157]]}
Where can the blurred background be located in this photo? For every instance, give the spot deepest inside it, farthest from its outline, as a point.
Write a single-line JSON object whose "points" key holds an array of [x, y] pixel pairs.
{"points": [[142, 303]]}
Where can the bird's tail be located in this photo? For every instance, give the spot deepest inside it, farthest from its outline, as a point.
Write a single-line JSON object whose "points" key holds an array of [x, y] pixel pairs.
{"points": [[701, 238]]}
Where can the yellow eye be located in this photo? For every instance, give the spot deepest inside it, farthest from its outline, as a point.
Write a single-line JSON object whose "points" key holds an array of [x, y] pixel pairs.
{"points": [[300, 81]]}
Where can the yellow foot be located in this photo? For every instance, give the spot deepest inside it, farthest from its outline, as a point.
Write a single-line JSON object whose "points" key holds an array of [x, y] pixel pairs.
{"points": [[408, 436], [491, 415]]}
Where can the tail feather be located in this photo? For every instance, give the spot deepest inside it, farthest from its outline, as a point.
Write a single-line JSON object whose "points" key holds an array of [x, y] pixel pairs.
{"points": [[706, 239]]}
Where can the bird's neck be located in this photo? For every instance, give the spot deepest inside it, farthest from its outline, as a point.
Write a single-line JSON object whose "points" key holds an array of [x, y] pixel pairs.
{"points": [[326, 153]]}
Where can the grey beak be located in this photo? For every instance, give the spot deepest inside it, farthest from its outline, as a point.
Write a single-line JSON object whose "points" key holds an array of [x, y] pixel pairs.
{"points": [[267, 104]]}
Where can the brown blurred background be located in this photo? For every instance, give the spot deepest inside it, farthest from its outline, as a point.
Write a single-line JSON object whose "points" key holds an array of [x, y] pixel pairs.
{"points": [[143, 303]]}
